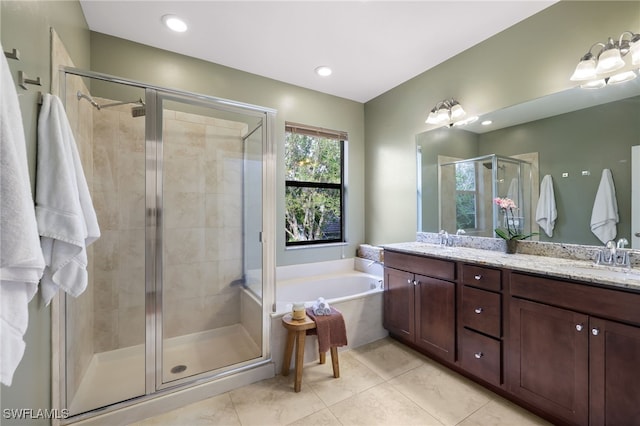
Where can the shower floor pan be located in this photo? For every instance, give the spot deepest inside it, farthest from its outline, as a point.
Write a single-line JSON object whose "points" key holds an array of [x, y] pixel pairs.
{"points": [[119, 375]]}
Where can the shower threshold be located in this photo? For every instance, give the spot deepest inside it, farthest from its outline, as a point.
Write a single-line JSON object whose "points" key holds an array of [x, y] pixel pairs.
{"points": [[118, 375]]}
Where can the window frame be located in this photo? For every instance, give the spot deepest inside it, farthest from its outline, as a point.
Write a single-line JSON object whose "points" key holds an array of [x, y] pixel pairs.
{"points": [[342, 139]]}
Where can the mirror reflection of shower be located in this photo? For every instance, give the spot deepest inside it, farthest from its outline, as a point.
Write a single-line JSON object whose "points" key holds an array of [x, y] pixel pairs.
{"points": [[467, 190]]}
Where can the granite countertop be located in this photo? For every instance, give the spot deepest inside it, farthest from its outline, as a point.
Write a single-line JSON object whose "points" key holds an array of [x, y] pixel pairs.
{"points": [[580, 270]]}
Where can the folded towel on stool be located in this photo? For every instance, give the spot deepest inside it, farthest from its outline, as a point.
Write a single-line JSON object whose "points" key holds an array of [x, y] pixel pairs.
{"points": [[330, 329], [321, 307]]}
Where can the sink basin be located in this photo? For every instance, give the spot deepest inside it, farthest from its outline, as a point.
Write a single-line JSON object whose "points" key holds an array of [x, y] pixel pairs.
{"points": [[617, 273]]}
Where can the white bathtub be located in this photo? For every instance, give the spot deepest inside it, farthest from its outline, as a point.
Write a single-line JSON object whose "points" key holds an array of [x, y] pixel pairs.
{"points": [[352, 286], [334, 288]]}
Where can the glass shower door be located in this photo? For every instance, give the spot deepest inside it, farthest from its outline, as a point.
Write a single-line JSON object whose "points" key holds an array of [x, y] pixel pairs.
{"points": [[210, 218]]}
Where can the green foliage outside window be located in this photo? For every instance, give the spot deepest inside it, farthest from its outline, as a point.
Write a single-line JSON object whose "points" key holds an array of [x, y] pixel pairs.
{"points": [[313, 197]]}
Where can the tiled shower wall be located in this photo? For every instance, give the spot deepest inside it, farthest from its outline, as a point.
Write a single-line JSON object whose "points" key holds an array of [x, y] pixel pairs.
{"points": [[202, 213]]}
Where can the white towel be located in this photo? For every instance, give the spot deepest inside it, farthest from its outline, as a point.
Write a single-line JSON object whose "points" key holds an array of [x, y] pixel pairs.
{"points": [[321, 307], [66, 219], [604, 215], [21, 263], [514, 191], [546, 213]]}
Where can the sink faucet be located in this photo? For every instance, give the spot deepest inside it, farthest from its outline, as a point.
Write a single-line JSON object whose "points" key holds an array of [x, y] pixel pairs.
{"points": [[444, 237], [622, 243], [614, 254]]}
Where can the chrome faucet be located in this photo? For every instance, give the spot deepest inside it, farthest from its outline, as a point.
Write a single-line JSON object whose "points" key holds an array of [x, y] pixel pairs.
{"points": [[613, 254], [444, 238]]}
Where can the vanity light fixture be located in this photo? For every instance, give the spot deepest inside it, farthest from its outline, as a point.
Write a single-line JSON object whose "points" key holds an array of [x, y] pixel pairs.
{"points": [[608, 65], [449, 112], [174, 23]]}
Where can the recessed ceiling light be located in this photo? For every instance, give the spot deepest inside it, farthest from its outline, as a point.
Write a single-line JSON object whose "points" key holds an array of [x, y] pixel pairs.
{"points": [[323, 71], [174, 23], [486, 122]]}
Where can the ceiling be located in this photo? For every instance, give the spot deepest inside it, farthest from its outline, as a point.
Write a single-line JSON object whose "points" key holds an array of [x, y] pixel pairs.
{"points": [[372, 46]]}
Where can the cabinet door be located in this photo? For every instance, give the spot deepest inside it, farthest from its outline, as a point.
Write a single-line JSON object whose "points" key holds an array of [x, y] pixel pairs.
{"points": [[548, 359], [615, 377], [398, 303], [435, 316]]}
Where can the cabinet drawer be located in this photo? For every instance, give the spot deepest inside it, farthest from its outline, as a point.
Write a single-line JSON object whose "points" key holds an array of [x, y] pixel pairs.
{"points": [[481, 356], [427, 266], [479, 276], [581, 297], [481, 311]]}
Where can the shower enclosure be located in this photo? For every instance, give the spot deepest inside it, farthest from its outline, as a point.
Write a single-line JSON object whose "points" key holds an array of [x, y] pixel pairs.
{"points": [[468, 188], [181, 187]]}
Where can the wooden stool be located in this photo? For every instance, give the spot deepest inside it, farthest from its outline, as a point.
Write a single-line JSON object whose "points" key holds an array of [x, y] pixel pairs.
{"points": [[296, 332]]}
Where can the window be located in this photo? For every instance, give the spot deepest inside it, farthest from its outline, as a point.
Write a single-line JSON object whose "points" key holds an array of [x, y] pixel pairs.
{"points": [[314, 185], [466, 217]]}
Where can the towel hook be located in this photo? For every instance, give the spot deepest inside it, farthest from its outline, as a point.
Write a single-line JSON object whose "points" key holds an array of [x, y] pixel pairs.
{"points": [[14, 54], [23, 80]]}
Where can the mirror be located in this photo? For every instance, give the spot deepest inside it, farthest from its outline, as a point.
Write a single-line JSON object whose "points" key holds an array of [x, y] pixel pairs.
{"points": [[576, 134]]}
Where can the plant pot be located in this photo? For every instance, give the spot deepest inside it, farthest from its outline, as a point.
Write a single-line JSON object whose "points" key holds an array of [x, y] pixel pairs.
{"points": [[511, 246]]}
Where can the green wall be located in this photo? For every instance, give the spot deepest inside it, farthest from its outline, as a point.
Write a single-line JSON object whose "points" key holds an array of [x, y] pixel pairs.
{"points": [[24, 25], [533, 58]]}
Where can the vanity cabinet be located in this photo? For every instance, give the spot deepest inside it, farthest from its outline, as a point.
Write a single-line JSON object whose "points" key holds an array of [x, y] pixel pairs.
{"points": [[419, 302], [480, 319], [574, 349]]}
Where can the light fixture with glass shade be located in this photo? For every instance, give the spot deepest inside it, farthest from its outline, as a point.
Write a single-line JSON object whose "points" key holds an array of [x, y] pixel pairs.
{"points": [[615, 62], [449, 112]]}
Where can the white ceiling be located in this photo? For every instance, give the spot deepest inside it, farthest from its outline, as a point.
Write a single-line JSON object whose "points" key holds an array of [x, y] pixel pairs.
{"points": [[372, 46]]}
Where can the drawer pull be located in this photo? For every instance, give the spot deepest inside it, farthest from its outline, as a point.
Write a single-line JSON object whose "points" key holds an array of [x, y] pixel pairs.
{"points": [[477, 277], [478, 310], [595, 331], [409, 281], [478, 355], [579, 327]]}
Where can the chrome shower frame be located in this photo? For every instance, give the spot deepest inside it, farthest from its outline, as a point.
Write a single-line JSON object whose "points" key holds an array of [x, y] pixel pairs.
{"points": [[154, 388]]}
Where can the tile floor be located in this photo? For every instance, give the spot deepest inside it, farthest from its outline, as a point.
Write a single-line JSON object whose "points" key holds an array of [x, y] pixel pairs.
{"points": [[382, 383]]}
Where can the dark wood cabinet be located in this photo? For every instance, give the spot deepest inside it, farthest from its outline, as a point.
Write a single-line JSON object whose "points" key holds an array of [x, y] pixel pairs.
{"points": [[566, 359], [568, 350], [480, 345], [435, 312], [549, 359], [399, 303], [419, 308], [614, 373]]}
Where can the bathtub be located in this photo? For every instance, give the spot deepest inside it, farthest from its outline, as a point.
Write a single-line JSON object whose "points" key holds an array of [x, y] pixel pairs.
{"points": [[335, 289], [353, 286]]}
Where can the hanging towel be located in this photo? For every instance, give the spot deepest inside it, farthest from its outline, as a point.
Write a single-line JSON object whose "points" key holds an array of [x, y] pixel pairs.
{"points": [[604, 215], [66, 219], [546, 213], [514, 191], [21, 261]]}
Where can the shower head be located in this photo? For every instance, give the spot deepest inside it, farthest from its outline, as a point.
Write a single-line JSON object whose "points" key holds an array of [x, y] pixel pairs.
{"points": [[138, 111]]}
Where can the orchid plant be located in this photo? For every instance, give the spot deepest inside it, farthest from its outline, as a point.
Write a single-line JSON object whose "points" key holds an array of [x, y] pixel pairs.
{"points": [[507, 205]]}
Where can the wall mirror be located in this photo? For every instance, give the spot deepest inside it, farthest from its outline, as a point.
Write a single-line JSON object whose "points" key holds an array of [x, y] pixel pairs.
{"points": [[574, 134]]}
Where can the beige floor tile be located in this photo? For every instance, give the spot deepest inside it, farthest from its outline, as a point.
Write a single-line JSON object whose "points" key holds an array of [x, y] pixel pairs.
{"points": [[213, 411], [274, 402], [322, 418], [444, 394], [354, 377], [500, 412], [381, 405], [388, 358]]}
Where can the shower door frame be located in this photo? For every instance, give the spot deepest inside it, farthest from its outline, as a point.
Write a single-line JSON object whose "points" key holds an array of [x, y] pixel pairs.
{"points": [[153, 248]]}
